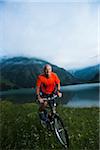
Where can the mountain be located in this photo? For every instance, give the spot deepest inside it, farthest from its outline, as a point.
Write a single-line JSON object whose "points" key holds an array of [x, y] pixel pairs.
{"points": [[22, 72], [88, 74]]}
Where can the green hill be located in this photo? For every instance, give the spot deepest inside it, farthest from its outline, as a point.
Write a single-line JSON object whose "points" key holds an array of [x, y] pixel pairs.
{"points": [[88, 74], [22, 72], [20, 128]]}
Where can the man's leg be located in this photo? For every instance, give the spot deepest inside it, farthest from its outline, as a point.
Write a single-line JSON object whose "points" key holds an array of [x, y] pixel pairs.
{"points": [[42, 111], [43, 106]]}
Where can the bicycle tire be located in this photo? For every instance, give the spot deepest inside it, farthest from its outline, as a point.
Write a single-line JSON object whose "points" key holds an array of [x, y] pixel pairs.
{"points": [[61, 132]]}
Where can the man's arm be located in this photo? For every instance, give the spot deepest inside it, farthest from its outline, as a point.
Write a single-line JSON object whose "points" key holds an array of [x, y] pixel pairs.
{"points": [[38, 84], [58, 87], [38, 95], [58, 90], [38, 92]]}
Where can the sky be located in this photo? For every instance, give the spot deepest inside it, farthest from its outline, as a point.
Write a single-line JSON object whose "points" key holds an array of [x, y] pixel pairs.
{"points": [[61, 32]]}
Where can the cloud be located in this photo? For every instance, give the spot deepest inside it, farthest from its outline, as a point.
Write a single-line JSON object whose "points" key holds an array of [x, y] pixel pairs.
{"points": [[54, 1], [58, 32]]}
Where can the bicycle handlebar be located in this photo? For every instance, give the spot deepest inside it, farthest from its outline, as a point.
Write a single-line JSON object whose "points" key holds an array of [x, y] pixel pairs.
{"points": [[50, 98]]}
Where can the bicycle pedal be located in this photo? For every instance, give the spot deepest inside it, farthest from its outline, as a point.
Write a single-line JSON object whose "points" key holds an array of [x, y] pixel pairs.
{"points": [[51, 122]]}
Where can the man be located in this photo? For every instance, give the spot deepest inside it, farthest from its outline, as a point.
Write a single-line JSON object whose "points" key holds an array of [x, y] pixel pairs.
{"points": [[47, 84]]}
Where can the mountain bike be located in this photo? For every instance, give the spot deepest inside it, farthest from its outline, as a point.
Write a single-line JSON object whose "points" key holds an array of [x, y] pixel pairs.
{"points": [[54, 122]]}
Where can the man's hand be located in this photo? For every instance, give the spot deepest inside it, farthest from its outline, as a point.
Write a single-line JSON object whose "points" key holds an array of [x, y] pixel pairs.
{"points": [[40, 99], [59, 94]]}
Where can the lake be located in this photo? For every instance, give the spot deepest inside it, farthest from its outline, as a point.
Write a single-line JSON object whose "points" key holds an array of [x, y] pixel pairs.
{"points": [[81, 95]]}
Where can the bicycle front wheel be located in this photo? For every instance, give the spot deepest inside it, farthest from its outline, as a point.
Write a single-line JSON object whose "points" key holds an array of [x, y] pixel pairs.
{"points": [[61, 132]]}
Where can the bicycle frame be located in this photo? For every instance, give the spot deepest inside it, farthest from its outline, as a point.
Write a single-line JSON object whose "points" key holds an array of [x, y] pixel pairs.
{"points": [[50, 101], [56, 122]]}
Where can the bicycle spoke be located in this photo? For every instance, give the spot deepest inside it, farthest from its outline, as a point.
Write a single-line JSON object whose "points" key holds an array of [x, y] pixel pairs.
{"points": [[60, 132]]}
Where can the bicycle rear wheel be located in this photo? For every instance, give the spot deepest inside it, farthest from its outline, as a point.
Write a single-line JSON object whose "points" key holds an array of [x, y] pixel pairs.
{"points": [[61, 132]]}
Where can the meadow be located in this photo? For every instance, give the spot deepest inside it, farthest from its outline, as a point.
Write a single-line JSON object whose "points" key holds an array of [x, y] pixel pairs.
{"points": [[20, 128]]}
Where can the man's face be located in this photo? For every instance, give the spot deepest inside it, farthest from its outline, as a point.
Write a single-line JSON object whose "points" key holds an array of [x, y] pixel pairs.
{"points": [[48, 71]]}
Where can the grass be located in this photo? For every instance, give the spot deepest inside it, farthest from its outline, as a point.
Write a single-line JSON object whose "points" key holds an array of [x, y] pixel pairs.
{"points": [[20, 128]]}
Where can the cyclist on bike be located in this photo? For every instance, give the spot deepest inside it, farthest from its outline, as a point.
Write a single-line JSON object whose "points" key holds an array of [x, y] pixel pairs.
{"points": [[47, 84]]}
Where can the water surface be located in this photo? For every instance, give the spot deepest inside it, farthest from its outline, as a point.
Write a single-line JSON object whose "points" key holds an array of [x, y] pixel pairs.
{"points": [[81, 95]]}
